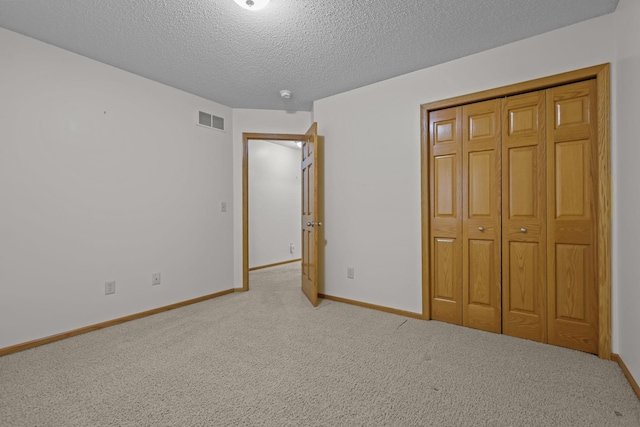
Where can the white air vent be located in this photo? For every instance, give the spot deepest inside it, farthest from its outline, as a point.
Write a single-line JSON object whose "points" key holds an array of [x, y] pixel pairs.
{"points": [[210, 121]]}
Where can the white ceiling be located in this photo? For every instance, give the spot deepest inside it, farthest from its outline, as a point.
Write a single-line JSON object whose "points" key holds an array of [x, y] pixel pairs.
{"points": [[315, 48]]}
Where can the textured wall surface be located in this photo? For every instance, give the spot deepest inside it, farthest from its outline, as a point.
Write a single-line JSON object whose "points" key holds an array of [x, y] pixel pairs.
{"points": [[242, 59]]}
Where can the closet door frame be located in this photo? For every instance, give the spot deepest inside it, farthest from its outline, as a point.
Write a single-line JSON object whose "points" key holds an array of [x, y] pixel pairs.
{"points": [[601, 73]]}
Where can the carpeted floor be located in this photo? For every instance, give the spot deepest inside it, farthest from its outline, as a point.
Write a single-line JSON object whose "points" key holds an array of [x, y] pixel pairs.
{"points": [[267, 358]]}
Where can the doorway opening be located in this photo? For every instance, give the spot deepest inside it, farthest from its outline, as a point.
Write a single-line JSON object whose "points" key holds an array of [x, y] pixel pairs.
{"points": [[274, 200], [246, 140], [311, 206]]}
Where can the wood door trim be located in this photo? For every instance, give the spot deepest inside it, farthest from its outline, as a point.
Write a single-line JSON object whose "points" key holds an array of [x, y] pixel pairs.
{"points": [[519, 88], [246, 137], [601, 73], [425, 212], [603, 220]]}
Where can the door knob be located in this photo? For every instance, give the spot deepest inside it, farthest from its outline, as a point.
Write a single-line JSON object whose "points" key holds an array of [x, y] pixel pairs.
{"points": [[481, 228], [310, 224], [313, 224], [523, 230]]}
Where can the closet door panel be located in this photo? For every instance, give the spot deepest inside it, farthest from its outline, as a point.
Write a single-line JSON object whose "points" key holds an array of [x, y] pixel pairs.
{"points": [[524, 217], [481, 187], [522, 166], [481, 216], [524, 263], [572, 288], [572, 180], [445, 176], [571, 275], [445, 136]]}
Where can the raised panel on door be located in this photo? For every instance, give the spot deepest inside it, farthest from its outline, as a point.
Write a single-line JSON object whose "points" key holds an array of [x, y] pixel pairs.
{"points": [[571, 275], [571, 249], [307, 208], [524, 296], [446, 215], [446, 289], [572, 180], [481, 281], [445, 170]]}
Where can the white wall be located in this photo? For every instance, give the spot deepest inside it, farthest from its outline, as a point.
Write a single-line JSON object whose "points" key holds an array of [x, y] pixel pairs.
{"points": [[626, 269], [372, 157], [104, 176], [275, 202], [256, 121]]}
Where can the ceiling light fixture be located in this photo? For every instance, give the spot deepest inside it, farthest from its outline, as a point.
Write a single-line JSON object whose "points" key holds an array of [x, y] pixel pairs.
{"points": [[285, 94], [252, 4]]}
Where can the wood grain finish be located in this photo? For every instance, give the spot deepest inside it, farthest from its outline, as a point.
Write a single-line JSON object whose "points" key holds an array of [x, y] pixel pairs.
{"points": [[481, 256], [524, 210], [91, 328], [445, 176], [572, 173], [571, 216], [594, 171], [445, 158], [603, 220], [425, 213], [310, 165], [445, 277], [523, 266]]}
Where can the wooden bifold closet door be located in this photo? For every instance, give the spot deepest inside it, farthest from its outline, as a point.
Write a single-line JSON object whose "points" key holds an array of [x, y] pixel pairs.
{"points": [[571, 216], [481, 282], [524, 207], [513, 215], [446, 214]]}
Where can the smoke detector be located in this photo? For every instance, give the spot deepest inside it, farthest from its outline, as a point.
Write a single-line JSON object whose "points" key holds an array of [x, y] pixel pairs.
{"points": [[285, 94], [252, 4]]}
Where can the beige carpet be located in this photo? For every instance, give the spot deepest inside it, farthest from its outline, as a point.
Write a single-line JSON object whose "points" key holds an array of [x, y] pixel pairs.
{"points": [[267, 358]]}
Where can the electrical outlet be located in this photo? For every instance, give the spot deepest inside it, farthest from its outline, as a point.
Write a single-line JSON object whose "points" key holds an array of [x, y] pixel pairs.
{"points": [[351, 272], [292, 248], [110, 287], [223, 206], [155, 279]]}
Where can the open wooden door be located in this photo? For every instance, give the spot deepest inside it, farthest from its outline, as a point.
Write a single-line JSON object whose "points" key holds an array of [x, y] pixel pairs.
{"points": [[310, 222]]}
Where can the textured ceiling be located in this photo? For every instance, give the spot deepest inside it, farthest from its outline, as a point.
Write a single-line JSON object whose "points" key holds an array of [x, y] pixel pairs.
{"points": [[315, 48]]}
